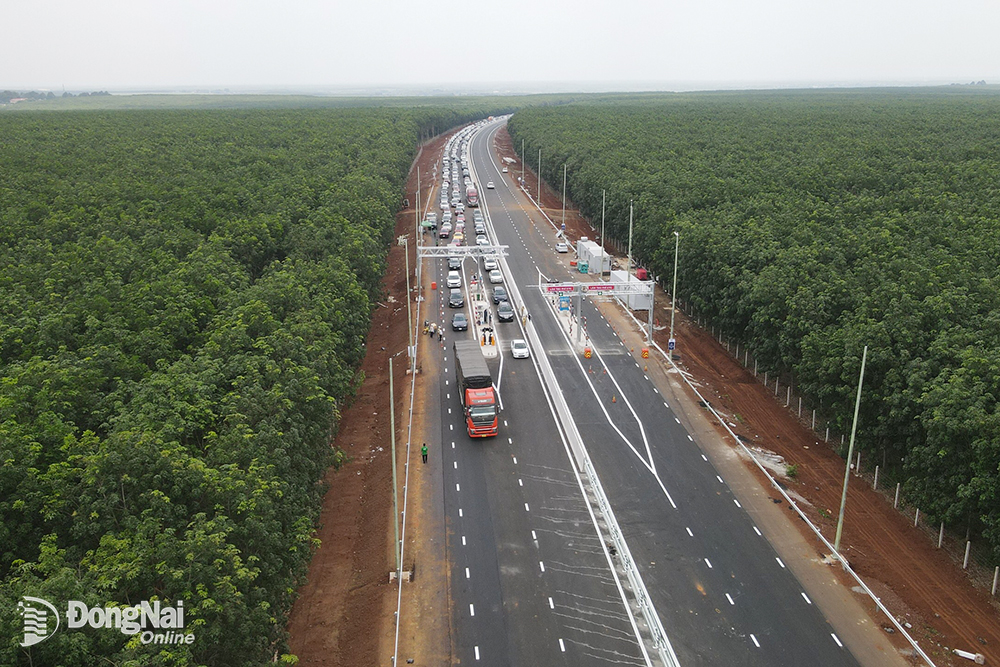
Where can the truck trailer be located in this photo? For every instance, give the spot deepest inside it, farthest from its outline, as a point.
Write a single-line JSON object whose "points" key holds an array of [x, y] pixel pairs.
{"points": [[475, 389]]}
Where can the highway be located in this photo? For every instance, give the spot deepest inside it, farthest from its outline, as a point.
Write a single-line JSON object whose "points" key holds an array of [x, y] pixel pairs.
{"points": [[721, 592], [530, 579]]}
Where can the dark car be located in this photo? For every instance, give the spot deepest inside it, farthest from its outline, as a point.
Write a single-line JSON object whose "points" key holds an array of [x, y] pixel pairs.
{"points": [[455, 299], [454, 264], [459, 322], [505, 313], [499, 294]]}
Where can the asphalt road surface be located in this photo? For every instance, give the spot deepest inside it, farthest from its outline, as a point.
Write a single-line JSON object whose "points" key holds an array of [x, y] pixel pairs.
{"points": [[532, 582]]}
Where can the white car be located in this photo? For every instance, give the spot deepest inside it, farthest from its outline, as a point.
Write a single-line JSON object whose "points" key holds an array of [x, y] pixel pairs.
{"points": [[490, 264], [519, 349], [454, 279], [562, 247], [496, 276], [504, 170], [489, 186]]}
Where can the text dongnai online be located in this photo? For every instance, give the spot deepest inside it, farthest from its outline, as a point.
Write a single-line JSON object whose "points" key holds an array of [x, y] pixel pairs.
{"points": [[130, 620]]}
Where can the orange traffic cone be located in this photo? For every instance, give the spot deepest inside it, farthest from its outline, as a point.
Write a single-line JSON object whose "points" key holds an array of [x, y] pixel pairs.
{"points": [[613, 398]]}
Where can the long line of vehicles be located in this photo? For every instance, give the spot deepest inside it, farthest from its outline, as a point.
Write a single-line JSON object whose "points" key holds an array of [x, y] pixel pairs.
{"points": [[476, 391]]}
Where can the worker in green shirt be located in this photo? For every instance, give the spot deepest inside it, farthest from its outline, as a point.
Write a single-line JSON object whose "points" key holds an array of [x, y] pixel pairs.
{"points": [[423, 452]]}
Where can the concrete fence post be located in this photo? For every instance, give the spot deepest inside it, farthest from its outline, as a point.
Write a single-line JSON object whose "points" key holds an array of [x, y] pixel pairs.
{"points": [[941, 535], [968, 548], [826, 438], [746, 357], [755, 368], [996, 574], [857, 466], [765, 378], [776, 383], [813, 427], [788, 396], [875, 485], [737, 355], [800, 407], [841, 438], [916, 518], [895, 503]]}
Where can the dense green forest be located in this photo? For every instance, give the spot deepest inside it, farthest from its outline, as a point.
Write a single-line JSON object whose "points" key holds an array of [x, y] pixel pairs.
{"points": [[184, 299], [815, 223]]}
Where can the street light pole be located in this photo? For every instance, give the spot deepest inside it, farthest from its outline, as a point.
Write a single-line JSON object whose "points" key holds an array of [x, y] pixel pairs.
{"points": [[403, 241], [603, 253], [539, 193], [564, 198], [673, 293], [523, 160], [395, 500], [850, 453]]}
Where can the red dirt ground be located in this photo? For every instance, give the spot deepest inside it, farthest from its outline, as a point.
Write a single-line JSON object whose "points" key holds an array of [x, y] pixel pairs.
{"points": [[922, 585], [345, 611]]}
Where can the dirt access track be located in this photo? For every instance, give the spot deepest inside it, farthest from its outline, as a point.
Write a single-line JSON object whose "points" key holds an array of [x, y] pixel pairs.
{"points": [[345, 612]]}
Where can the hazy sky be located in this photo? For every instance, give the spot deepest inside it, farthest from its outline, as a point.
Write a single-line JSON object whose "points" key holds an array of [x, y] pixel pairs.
{"points": [[138, 44]]}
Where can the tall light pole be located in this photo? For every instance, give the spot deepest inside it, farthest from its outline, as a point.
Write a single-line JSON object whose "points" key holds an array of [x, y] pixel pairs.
{"points": [[523, 160], [630, 240], [539, 177], [403, 241], [673, 294], [564, 198], [603, 254], [395, 500], [850, 453]]}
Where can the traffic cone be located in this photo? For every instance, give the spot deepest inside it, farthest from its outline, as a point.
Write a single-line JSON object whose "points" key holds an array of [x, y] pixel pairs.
{"points": [[614, 399], [645, 369]]}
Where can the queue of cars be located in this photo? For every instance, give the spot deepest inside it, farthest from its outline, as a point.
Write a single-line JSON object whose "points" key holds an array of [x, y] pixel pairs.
{"points": [[455, 166]]}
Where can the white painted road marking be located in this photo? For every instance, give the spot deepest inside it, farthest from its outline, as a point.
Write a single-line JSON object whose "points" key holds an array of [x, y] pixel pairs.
{"points": [[755, 642], [704, 457], [526, 508], [562, 647], [727, 594], [460, 512], [466, 573], [552, 605], [520, 483], [463, 540], [836, 640], [455, 464], [806, 598], [472, 610], [477, 652], [720, 479], [689, 532], [757, 530], [457, 487], [541, 566], [708, 563], [533, 536], [779, 561], [737, 502]]}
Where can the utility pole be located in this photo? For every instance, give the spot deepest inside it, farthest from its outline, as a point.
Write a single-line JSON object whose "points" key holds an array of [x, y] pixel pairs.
{"points": [[523, 160], [603, 253], [403, 241], [850, 452], [539, 177], [564, 198], [629, 240], [395, 499], [673, 293]]}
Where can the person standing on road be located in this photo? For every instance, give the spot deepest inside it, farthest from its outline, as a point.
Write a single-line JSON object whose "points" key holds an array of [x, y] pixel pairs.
{"points": [[423, 452]]}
